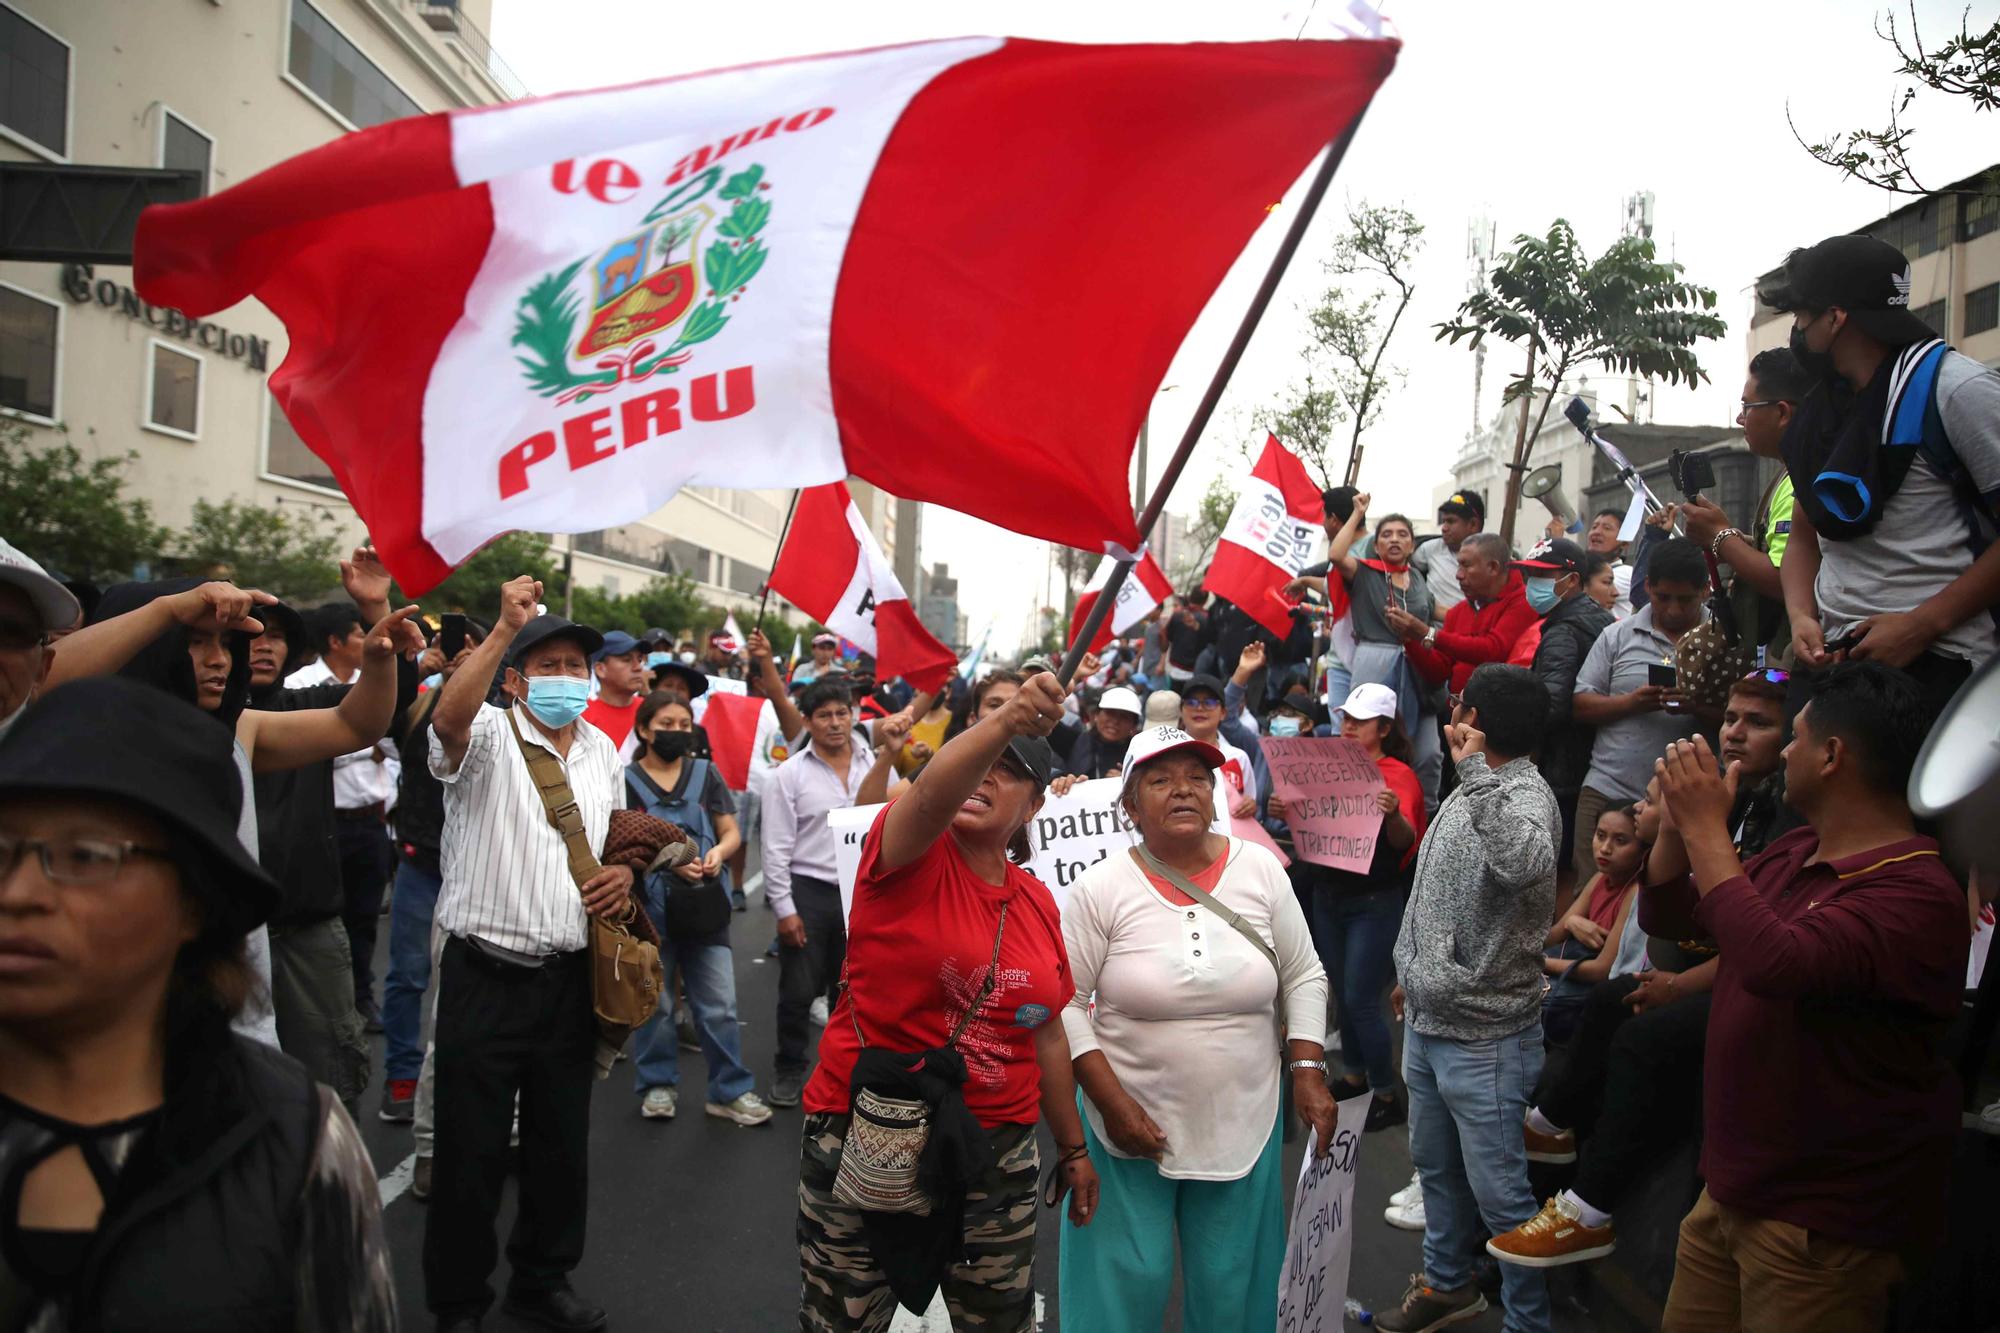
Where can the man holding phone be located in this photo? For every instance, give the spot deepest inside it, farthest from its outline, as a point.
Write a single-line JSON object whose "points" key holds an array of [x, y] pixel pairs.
{"points": [[1628, 690]]}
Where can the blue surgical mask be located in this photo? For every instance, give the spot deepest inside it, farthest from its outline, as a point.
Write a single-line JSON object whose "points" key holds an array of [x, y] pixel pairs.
{"points": [[658, 660], [557, 700], [1287, 726], [1542, 595]]}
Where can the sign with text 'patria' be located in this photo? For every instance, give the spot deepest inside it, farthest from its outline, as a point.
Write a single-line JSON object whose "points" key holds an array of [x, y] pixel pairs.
{"points": [[82, 286]]}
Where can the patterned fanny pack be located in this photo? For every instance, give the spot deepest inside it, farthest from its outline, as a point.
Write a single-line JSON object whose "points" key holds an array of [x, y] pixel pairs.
{"points": [[879, 1162]]}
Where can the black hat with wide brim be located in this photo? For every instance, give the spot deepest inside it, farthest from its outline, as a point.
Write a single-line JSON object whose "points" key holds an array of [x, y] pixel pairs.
{"points": [[693, 678], [112, 739]]}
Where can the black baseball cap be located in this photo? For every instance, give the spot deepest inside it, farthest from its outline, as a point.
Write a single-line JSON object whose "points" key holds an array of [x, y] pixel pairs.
{"points": [[1466, 504], [1299, 699], [1035, 755], [1556, 555], [552, 627], [1196, 684], [1866, 277]]}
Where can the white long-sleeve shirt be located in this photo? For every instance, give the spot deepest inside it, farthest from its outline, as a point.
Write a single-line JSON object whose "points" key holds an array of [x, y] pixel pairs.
{"points": [[1186, 1009]]}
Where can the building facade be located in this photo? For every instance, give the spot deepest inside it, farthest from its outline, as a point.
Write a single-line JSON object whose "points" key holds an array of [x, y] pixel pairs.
{"points": [[938, 608], [228, 90]]}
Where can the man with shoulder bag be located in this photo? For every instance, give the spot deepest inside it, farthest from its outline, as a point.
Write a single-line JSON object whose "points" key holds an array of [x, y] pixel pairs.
{"points": [[529, 795]]}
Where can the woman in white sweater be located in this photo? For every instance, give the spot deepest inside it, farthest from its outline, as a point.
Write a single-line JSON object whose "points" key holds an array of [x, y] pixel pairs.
{"points": [[1179, 1059]]}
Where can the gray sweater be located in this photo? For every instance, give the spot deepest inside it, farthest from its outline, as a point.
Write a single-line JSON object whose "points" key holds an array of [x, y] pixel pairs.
{"points": [[1470, 953]]}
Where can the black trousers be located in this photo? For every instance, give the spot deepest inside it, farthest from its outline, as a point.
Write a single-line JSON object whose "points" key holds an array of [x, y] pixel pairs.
{"points": [[1652, 1093], [1572, 1098], [498, 1034], [804, 974], [367, 859]]}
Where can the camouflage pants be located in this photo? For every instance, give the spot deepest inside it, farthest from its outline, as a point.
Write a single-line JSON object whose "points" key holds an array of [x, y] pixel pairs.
{"points": [[992, 1290]]}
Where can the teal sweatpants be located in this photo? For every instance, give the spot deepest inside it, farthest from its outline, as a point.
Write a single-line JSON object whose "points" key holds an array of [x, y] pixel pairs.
{"points": [[1118, 1272]]}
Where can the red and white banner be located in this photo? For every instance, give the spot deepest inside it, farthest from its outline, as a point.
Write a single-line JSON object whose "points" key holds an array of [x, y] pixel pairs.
{"points": [[1277, 521], [1144, 589], [832, 569], [731, 723], [896, 263]]}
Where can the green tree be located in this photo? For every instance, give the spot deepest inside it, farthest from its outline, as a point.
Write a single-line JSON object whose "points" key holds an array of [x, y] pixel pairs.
{"points": [[73, 516], [294, 554], [1966, 66], [1625, 309], [1347, 378], [671, 603], [1216, 504], [474, 587]]}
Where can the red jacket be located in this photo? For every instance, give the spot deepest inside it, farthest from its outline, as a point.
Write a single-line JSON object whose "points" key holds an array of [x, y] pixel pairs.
{"points": [[1472, 635]]}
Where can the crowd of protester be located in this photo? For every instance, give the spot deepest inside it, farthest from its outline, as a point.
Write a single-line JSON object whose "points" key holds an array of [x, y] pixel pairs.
{"points": [[1612, 910]]}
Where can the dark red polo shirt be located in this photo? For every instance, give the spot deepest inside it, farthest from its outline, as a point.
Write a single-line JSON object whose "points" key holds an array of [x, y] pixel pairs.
{"points": [[1827, 1101]]}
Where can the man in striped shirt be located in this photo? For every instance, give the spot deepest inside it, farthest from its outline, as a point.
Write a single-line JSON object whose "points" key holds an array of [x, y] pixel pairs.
{"points": [[514, 1004]]}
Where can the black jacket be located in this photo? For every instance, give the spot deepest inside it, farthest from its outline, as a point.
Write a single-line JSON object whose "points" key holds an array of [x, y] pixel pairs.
{"points": [[1567, 635], [419, 795], [1091, 756]]}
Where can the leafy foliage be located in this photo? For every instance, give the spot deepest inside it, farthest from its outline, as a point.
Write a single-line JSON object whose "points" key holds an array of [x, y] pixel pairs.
{"points": [[1625, 309], [294, 553], [71, 515], [1347, 380], [1216, 504], [1966, 66], [474, 587]]}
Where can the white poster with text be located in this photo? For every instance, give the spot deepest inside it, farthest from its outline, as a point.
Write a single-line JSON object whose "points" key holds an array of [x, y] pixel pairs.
{"points": [[1312, 1290]]}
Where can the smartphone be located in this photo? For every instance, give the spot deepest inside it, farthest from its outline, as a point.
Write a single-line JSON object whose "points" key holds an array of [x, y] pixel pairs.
{"points": [[451, 634], [1662, 675]]}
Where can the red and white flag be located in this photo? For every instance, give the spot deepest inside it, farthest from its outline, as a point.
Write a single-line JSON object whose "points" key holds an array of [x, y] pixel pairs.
{"points": [[1143, 590], [732, 635], [731, 723], [832, 569], [1277, 521], [893, 264]]}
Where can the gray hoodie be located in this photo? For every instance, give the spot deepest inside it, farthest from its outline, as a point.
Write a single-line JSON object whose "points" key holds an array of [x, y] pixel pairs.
{"points": [[1470, 953]]}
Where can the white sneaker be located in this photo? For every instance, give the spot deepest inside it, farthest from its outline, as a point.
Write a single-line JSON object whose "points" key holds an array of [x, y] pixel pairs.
{"points": [[749, 1109], [1408, 1215], [819, 1012], [660, 1104], [1413, 1190]]}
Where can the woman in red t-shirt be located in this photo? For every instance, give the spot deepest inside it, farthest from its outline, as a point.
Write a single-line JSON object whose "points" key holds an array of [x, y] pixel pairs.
{"points": [[936, 870]]}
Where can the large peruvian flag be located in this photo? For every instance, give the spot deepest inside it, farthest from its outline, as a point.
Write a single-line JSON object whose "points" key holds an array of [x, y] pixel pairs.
{"points": [[957, 269], [1143, 590], [832, 569], [1270, 537]]}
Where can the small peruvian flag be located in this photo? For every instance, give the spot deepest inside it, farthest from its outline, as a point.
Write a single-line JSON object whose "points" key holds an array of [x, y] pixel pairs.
{"points": [[832, 569], [1270, 536], [1144, 589], [957, 269]]}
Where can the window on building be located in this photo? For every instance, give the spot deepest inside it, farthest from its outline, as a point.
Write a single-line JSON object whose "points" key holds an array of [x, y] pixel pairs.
{"points": [[1980, 213], [1938, 315], [28, 353], [185, 148], [173, 391], [286, 455], [34, 83], [1982, 309], [339, 75], [686, 558], [746, 578]]}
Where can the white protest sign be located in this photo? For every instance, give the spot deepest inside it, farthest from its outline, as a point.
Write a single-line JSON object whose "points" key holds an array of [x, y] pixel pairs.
{"points": [[1312, 1290], [1635, 517], [1069, 834]]}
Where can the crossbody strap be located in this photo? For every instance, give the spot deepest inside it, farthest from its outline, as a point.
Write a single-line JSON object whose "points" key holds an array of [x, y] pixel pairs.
{"points": [[978, 1001], [1209, 900], [559, 803]]}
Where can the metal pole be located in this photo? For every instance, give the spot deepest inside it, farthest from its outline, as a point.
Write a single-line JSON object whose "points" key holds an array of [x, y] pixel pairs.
{"points": [[1107, 597], [569, 576], [783, 533]]}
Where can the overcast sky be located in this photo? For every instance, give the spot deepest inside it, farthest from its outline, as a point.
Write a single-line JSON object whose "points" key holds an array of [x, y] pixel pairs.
{"points": [[1521, 112]]}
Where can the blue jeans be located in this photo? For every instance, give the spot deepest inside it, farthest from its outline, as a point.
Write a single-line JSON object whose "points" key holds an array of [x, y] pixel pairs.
{"points": [[709, 968], [1467, 1102], [412, 904], [1356, 933]]}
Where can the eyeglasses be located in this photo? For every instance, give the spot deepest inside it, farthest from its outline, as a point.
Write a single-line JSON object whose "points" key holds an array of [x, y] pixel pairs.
{"points": [[19, 636], [1748, 406], [73, 860], [1201, 701]]}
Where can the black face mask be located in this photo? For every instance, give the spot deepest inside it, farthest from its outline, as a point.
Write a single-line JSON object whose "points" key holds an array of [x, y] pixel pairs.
{"points": [[672, 745], [1819, 365]]}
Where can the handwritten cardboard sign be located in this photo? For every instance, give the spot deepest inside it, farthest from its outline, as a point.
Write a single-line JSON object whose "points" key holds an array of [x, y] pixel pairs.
{"points": [[1328, 786], [1312, 1289]]}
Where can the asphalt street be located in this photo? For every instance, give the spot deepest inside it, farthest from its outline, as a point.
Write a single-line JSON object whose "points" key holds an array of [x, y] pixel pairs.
{"points": [[691, 1219]]}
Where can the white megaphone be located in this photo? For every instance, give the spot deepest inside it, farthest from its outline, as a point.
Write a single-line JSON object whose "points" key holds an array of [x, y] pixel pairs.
{"points": [[1545, 484], [1956, 780]]}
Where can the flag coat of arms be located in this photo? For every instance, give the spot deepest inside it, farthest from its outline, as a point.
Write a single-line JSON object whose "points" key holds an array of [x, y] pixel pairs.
{"points": [[895, 264], [832, 569], [1270, 536]]}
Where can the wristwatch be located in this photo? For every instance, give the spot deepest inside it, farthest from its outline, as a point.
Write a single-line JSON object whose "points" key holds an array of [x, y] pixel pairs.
{"points": [[1431, 637], [1296, 1065]]}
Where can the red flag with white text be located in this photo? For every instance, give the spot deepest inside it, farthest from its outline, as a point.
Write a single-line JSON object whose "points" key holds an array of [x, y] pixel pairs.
{"points": [[1269, 538], [957, 269], [1144, 589], [832, 569]]}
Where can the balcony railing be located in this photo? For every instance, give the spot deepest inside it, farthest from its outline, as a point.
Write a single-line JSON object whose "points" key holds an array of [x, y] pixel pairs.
{"points": [[445, 16]]}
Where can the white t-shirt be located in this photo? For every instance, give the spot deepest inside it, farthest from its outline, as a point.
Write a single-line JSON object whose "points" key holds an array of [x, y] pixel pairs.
{"points": [[1185, 1008]]}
